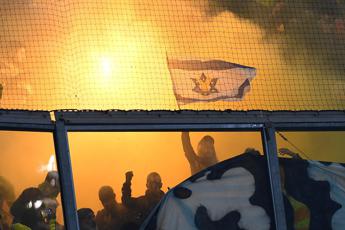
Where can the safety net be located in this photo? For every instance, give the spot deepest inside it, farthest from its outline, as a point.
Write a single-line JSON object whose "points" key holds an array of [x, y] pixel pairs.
{"points": [[172, 54]]}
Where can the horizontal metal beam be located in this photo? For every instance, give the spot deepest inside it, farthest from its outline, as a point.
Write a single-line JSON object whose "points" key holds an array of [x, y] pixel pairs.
{"points": [[199, 120], [25, 117], [322, 126], [172, 120], [197, 117], [209, 127], [164, 127], [27, 127]]}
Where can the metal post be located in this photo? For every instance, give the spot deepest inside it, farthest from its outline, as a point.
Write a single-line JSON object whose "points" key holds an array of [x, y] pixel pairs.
{"points": [[66, 178], [270, 146]]}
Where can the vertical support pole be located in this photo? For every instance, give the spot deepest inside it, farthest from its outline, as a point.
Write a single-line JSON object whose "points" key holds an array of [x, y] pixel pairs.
{"points": [[270, 146], [66, 177]]}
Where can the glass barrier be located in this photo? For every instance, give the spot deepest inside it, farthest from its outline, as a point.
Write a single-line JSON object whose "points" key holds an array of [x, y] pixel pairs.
{"points": [[29, 182], [313, 178], [119, 177]]}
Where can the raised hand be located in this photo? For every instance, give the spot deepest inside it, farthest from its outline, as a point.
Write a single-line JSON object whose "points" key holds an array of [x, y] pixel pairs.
{"points": [[129, 176]]}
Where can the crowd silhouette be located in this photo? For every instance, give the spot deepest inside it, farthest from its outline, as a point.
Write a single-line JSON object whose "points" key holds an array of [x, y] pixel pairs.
{"points": [[35, 208]]}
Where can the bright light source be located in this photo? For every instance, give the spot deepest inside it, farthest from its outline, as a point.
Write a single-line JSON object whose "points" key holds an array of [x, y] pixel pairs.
{"points": [[106, 67]]}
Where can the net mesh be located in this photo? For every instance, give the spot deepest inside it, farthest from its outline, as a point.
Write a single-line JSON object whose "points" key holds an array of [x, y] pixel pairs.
{"points": [[114, 54]]}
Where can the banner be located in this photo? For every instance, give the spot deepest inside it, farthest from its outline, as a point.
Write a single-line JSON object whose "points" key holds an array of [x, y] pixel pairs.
{"points": [[235, 194], [207, 81]]}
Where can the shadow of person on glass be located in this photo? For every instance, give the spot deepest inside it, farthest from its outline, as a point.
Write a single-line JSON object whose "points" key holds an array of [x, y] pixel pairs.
{"points": [[204, 157], [30, 212], [140, 207], [87, 219], [113, 215]]}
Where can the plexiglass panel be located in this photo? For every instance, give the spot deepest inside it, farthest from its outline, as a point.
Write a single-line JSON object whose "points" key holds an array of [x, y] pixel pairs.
{"points": [[116, 174], [29, 182], [313, 178]]}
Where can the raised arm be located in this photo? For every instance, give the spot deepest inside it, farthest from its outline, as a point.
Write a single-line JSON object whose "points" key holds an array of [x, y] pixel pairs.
{"points": [[127, 199], [188, 148]]}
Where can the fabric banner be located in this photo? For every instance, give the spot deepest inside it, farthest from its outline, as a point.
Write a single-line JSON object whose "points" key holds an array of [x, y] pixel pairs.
{"points": [[235, 194], [206, 81]]}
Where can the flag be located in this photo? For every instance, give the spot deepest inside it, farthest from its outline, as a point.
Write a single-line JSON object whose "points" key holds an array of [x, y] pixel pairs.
{"points": [[207, 81], [235, 194]]}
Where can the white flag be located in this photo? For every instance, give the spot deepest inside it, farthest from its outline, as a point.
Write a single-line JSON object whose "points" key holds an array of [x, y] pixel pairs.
{"points": [[206, 81]]}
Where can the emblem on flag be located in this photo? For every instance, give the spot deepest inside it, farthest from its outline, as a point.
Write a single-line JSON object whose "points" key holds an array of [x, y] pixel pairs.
{"points": [[205, 86], [206, 81]]}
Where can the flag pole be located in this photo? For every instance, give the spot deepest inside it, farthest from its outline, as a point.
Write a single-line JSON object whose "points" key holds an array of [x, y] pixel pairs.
{"points": [[167, 60]]}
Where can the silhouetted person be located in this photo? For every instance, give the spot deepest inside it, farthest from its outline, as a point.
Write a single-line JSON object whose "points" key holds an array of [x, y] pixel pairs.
{"points": [[141, 207], [6, 199], [87, 219], [51, 185], [113, 215], [205, 156], [50, 189], [29, 211], [252, 151]]}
